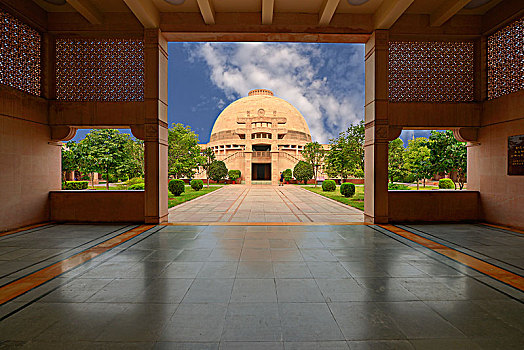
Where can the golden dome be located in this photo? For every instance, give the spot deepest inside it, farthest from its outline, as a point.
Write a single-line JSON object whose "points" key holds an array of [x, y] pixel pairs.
{"points": [[260, 105]]}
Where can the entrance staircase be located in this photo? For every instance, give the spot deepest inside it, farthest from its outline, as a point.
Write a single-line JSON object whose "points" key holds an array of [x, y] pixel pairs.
{"points": [[261, 182]]}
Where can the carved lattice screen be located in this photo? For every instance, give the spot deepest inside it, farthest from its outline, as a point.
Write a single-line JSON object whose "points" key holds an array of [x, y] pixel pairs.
{"points": [[19, 54], [506, 60], [99, 69], [430, 71]]}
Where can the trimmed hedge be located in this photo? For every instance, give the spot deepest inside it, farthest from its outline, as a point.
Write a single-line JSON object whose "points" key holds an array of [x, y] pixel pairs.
{"points": [[197, 184], [347, 189], [446, 184], [329, 186], [136, 187], [176, 187], [397, 186], [75, 185]]}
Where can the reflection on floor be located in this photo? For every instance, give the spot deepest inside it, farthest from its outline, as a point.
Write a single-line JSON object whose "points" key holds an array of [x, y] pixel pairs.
{"points": [[258, 287], [259, 203]]}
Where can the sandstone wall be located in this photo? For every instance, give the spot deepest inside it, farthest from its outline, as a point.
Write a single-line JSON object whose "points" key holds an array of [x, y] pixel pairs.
{"points": [[501, 195], [29, 169]]}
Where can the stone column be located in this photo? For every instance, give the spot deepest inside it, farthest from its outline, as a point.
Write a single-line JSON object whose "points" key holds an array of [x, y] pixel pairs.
{"points": [[275, 174], [376, 120], [155, 128], [248, 159]]}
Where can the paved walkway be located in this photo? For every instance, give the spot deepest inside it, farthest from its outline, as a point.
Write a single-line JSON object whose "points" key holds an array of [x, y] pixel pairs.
{"points": [[240, 203]]}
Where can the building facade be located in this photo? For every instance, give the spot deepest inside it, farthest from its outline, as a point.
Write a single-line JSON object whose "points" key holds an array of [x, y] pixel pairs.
{"points": [[260, 135]]}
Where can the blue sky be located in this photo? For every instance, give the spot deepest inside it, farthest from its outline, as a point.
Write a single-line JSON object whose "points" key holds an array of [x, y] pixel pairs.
{"points": [[325, 82]]}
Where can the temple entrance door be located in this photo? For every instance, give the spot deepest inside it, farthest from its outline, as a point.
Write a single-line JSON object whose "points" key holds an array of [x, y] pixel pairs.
{"points": [[261, 171]]}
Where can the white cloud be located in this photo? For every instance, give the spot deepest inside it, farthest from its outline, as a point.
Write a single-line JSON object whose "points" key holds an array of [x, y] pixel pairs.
{"points": [[326, 89]]}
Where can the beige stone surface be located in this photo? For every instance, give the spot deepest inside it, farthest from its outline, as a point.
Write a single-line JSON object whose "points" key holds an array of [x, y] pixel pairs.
{"points": [[259, 120], [29, 169], [428, 206], [501, 195], [97, 206], [261, 203]]}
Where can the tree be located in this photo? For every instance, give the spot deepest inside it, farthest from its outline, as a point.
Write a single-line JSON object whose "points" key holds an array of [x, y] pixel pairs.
{"points": [[448, 155], [84, 159], [303, 171], [234, 175], [346, 154], [396, 168], [356, 135], [106, 148], [183, 152], [68, 159], [133, 164], [417, 159], [217, 170], [460, 162], [314, 153], [206, 159]]}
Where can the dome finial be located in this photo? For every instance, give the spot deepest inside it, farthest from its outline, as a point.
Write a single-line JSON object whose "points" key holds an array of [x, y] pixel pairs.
{"points": [[260, 92]]}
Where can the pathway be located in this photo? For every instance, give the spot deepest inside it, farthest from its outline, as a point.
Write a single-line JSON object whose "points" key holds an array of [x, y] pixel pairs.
{"points": [[241, 203]]}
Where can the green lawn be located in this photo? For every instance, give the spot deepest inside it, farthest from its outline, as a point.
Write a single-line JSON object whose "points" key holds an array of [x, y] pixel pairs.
{"points": [[190, 194], [357, 201]]}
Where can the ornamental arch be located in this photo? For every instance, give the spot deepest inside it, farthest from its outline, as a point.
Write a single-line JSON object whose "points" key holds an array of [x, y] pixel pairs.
{"points": [[427, 64]]}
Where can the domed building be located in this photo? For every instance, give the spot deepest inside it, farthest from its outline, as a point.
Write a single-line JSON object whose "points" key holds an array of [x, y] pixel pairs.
{"points": [[260, 135]]}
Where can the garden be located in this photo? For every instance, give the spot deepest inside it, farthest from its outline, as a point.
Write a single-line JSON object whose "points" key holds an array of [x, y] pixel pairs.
{"points": [[119, 159], [415, 167]]}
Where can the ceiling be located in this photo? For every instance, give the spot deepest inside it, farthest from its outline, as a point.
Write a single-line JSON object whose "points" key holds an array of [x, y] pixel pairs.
{"points": [[280, 6], [375, 14]]}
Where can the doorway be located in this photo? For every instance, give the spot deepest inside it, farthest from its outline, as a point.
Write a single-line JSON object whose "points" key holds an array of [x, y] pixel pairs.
{"points": [[261, 171]]}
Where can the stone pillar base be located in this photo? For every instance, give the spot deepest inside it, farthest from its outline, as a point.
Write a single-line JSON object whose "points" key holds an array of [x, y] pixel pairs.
{"points": [[156, 219], [368, 219]]}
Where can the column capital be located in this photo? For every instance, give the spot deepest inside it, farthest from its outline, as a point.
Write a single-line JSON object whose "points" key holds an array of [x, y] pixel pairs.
{"points": [[62, 133]]}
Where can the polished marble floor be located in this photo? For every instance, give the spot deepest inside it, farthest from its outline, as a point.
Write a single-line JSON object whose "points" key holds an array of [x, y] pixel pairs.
{"points": [[259, 287]]}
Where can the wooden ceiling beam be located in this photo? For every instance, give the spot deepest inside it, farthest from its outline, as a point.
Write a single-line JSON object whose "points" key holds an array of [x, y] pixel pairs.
{"points": [[445, 11], [388, 13], [207, 10], [87, 10], [145, 11], [327, 10], [267, 11]]}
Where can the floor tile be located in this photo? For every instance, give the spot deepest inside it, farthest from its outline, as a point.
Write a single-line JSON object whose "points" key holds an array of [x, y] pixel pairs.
{"points": [[308, 322], [196, 323], [298, 291], [254, 290], [252, 322]]}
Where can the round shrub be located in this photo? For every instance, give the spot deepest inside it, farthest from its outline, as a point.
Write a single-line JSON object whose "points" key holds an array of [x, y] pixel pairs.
{"points": [[347, 189], [136, 187], [197, 184], [287, 173], [446, 184], [329, 186], [176, 187]]}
